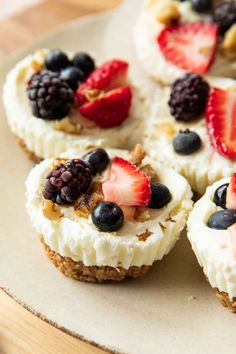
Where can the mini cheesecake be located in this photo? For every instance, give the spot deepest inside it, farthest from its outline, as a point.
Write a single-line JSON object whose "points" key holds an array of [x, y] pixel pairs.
{"points": [[55, 101], [191, 127], [107, 215], [173, 37], [212, 234]]}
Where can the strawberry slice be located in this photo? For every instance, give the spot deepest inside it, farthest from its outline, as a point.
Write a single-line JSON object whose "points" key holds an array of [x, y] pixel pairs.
{"points": [[191, 46], [127, 184], [110, 109], [221, 121], [232, 231], [129, 212], [231, 193], [107, 77]]}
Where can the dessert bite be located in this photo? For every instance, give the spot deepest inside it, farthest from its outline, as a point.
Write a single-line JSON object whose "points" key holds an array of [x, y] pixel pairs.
{"points": [[191, 128], [175, 37], [55, 101], [107, 215], [212, 234]]}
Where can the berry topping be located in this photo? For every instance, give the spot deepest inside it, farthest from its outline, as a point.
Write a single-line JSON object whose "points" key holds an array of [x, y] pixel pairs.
{"points": [[191, 46], [221, 121], [222, 219], [84, 62], [127, 184], [107, 77], [186, 142], [160, 196], [109, 110], [224, 15], [188, 97], [98, 159], [107, 216], [220, 196], [72, 76], [65, 183], [231, 193], [201, 6], [56, 60], [51, 98]]}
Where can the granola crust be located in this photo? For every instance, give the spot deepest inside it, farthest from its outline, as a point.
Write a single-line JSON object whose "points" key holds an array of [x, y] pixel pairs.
{"points": [[225, 300], [31, 155], [79, 271]]}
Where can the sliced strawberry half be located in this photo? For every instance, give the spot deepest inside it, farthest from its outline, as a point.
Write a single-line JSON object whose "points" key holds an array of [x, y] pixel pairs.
{"points": [[110, 109], [107, 77], [191, 46], [127, 185], [231, 193], [129, 212], [221, 121], [232, 231]]}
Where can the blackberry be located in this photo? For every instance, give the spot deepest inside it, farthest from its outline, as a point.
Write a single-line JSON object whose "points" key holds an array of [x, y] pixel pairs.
{"points": [[224, 15], [51, 98], [65, 183], [188, 97]]}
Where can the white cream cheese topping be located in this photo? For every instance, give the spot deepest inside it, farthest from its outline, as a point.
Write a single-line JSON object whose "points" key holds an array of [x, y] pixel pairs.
{"points": [[42, 138], [212, 247], [77, 237]]}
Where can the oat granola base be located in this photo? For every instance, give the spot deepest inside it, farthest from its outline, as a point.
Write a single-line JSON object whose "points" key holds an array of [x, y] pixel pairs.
{"points": [[78, 271], [31, 155], [225, 300]]}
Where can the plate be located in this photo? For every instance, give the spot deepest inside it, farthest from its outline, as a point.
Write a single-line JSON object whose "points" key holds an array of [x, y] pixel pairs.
{"points": [[170, 310]]}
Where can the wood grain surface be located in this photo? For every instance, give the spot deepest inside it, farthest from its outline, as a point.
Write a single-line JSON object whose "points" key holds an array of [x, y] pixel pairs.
{"points": [[20, 331]]}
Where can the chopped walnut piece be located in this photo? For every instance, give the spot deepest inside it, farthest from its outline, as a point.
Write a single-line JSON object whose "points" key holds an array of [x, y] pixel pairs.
{"points": [[167, 12], [144, 236], [137, 154], [51, 210], [88, 201], [92, 94], [149, 171], [142, 214], [229, 43], [67, 126], [170, 218], [163, 227], [58, 161], [36, 66]]}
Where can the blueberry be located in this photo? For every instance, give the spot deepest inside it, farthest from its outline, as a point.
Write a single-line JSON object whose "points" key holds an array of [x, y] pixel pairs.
{"points": [[220, 196], [98, 159], [186, 142], [72, 76], [84, 62], [160, 196], [222, 219], [56, 60], [201, 5], [107, 216]]}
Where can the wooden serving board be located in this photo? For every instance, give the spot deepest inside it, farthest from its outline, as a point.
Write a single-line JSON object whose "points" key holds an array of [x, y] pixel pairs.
{"points": [[20, 331]]}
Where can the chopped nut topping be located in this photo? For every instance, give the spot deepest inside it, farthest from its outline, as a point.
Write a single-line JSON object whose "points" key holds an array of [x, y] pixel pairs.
{"points": [[137, 154], [144, 236], [167, 12], [142, 214], [149, 171], [58, 161], [36, 66], [168, 129], [170, 219], [67, 126], [229, 43], [88, 201], [92, 94], [163, 227], [51, 210]]}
